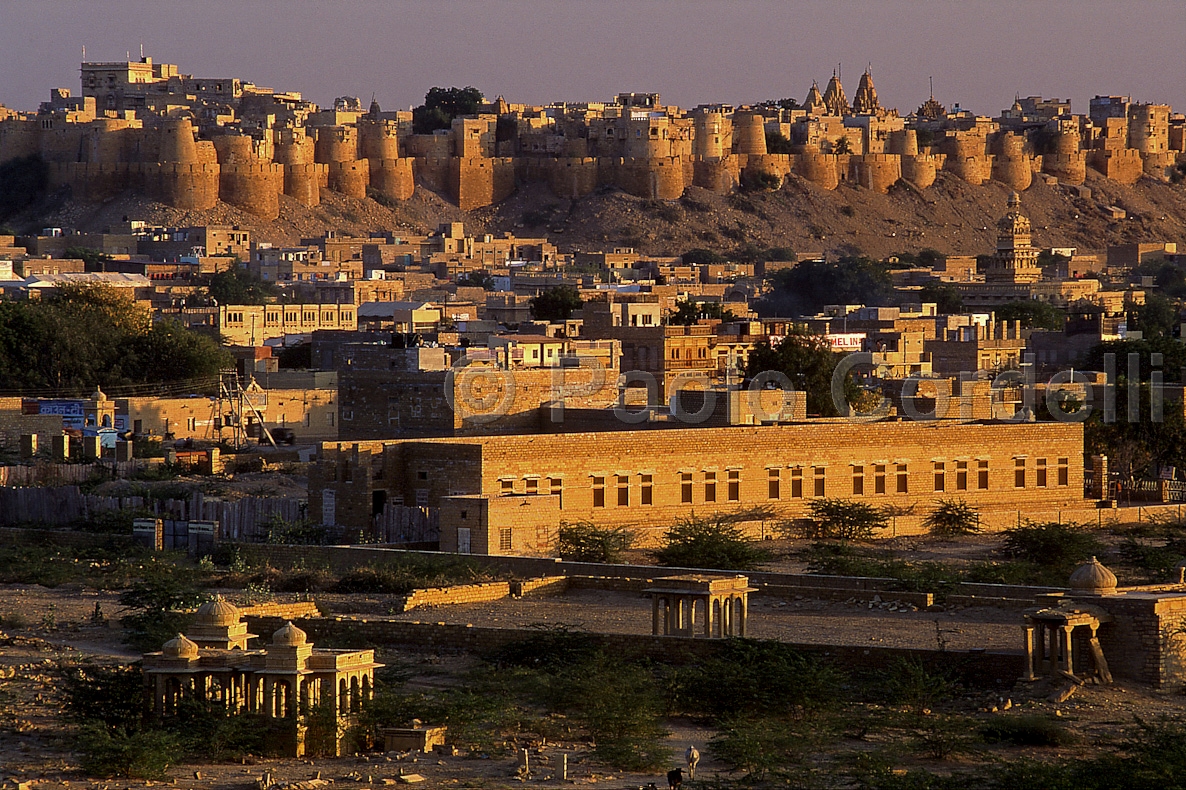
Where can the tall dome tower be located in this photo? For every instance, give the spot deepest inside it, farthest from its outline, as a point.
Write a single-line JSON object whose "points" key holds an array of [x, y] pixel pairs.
{"points": [[1016, 258]]}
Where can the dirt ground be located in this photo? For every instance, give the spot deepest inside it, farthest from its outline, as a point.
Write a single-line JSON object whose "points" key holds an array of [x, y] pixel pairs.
{"points": [[44, 628]]}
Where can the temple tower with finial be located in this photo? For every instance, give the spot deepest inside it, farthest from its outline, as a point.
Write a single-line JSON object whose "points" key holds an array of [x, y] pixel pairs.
{"points": [[834, 98], [1016, 258], [865, 101]]}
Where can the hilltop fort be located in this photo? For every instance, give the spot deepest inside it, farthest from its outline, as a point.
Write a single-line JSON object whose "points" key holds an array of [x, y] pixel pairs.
{"points": [[191, 142]]}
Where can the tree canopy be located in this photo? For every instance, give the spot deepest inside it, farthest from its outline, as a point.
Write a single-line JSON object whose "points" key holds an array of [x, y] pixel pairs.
{"points": [[442, 105], [84, 336], [809, 362], [1032, 314], [945, 295], [238, 286], [556, 304], [688, 312], [806, 288]]}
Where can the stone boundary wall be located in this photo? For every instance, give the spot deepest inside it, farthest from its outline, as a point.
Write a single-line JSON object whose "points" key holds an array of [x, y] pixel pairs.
{"points": [[635, 578], [982, 667], [285, 611], [484, 592], [457, 594], [62, 537]]}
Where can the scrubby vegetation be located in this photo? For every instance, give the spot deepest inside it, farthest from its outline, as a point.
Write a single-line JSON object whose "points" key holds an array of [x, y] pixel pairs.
{"points": [[709, 543]]}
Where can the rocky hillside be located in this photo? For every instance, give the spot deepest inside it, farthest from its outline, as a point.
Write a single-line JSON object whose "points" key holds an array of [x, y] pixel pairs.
{"points": [[951, 216]]}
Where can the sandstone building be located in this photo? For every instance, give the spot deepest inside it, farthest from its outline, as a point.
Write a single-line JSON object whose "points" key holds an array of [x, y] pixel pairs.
{"points": [[510, 493]]}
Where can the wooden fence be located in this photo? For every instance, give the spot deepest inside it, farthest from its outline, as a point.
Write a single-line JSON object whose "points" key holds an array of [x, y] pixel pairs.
{"points": [[404, 524], [50, 474], [246, 519], [240, 519]]}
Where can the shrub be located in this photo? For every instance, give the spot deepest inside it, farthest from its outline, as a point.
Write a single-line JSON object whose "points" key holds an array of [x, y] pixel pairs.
{"points": [[758, 677], [1054, 545], [1026, 730], [913, 684], [952, 517], [550, 650], [841, 519], [583, 541], [112, 696], [699, 543], [152, 603], [107, 753], [621, 706], [758, 747]]}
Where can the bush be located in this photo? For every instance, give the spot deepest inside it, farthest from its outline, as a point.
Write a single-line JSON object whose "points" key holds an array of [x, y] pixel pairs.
{"points": [[152, 603], [758, 677], [952, 517], [1027, 731], [551, 650], [113, 696], [142, 754], [699, 543], [841, 519], [757, 746], [1058, 546], [912, 684], [583, 541]]}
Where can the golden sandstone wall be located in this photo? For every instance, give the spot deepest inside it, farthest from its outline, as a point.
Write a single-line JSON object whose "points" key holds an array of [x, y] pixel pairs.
{"points": [[164, 160], [652, 478]]}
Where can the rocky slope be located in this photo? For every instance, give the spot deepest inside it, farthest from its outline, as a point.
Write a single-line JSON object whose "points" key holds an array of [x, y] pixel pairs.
{"points": [[951, 216]]}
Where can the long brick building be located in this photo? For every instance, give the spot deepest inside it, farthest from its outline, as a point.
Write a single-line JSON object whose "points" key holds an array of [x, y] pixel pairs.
{"points": [[512, 492]]}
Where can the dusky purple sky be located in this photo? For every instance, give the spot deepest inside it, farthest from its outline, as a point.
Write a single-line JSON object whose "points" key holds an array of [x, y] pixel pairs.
{"points": [[980, 52]]}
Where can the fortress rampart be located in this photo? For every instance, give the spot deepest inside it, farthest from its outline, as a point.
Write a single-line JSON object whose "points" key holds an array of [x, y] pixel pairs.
{"points": [[477, 162]]}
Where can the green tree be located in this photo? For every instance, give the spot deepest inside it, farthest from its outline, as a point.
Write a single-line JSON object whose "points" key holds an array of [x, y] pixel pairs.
{"points": [[1032, 314], [809, 362], [841, 519], [805, 289], [709, 543], [238, 286], [1156, 318], [946, 296], [478, 278], [170, 352], [584, 541], [701, 255], [776, 143], [93, 259], [688, 312], [556, 304], [442, 105], [952, 517]]}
